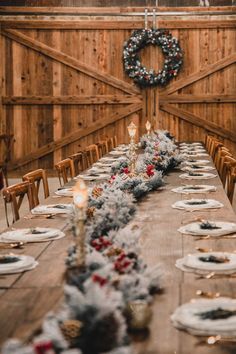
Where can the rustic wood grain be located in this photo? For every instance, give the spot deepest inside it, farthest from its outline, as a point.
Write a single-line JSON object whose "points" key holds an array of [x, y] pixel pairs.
{"points": [[56, 99], [47, 149], [79, 100], [67, 60], [198, 121], [189, 98], [109, 10], [57, 109], [33, 294], [114, 25], [206, 71]]}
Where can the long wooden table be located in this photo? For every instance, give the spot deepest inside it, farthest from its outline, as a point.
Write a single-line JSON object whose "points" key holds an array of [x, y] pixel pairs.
{"points": [[26, 298]]}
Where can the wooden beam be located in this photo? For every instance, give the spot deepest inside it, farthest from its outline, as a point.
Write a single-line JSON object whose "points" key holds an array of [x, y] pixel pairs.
{"points": [[47, 149], [71, 100], [69, 61], [109, 10], [196, 98], [206, 71], [198, 121], [113, 24]]}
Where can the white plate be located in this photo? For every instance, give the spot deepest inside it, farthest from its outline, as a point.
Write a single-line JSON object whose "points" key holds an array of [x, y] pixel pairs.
{"points": [[190, 144], [194, 229], [31, 235], [185, 204], [99, 170], [53, 209], [107, 159], [103, 164], [189, 189], [24, 263], [196, 162], [199, 154], [65, 192], [122, 148], [202, 175], [187, 317], [198, 169], [194, 261], [192, 151], [117, 153], [97, 177]]}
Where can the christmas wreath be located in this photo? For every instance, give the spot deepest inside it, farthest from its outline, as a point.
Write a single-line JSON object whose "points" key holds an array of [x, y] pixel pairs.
{"points": [[170, 48]]}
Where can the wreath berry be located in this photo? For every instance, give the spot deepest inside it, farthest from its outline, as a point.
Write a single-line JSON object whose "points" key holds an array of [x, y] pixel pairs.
{"points": [[172, 53]]}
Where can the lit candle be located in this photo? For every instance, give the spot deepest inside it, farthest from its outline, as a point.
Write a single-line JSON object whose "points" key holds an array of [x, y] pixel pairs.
{"points": [[132, 128], [80, 197], [80, 194], [148, 126]]}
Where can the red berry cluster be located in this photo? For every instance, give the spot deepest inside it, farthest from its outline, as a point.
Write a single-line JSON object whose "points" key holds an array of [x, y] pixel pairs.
{"points": [[123, 263], [98, 279], [149, 170], [112, 179], [44, 347], [101, 243], [125, 170]]}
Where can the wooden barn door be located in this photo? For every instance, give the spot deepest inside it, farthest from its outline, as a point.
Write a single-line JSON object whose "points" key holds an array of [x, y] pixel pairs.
{"points": [[63, 90], [64, 85]]}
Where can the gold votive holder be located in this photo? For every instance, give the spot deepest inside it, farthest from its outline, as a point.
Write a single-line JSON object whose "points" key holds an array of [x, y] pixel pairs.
{"points": [[139, 314]]}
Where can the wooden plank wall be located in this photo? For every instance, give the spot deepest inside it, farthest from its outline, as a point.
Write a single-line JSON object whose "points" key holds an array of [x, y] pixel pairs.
{"points": [[104, 3], [64, 86]]}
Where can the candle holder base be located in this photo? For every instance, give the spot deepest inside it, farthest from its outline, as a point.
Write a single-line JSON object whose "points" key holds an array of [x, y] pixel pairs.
{"points": [[73, 273]]}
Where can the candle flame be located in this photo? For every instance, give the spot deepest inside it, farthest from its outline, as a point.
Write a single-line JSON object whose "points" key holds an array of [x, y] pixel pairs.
{"points": [[80, 194]]}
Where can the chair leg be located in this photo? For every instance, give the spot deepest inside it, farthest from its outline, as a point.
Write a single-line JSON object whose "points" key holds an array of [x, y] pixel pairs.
{"points": [[1, 179], [6, 175]]}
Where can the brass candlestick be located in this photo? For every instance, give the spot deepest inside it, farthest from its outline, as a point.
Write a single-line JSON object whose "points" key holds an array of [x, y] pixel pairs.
{"points": [[132, 128], [80, 201]]}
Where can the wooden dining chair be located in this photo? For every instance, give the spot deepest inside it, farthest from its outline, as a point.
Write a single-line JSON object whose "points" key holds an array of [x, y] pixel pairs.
{"points": [[214, 148], [221, 153], [14, 196], [114, 141], [36, 177], [110, 144], [230, 180], [79, 160], [92, 154], [223, 166], [208, 142], [102, 148], [65, 170], [211, 141]]}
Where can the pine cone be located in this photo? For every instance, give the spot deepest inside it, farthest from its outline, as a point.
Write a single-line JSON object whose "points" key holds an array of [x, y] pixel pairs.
{"points": [[113, 251], [97, 192], [71, 329], [90, 212]]}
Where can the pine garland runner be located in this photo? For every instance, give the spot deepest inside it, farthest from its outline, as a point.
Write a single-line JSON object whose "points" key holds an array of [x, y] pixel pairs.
{"points": [[93, 319], [173, 57]]}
